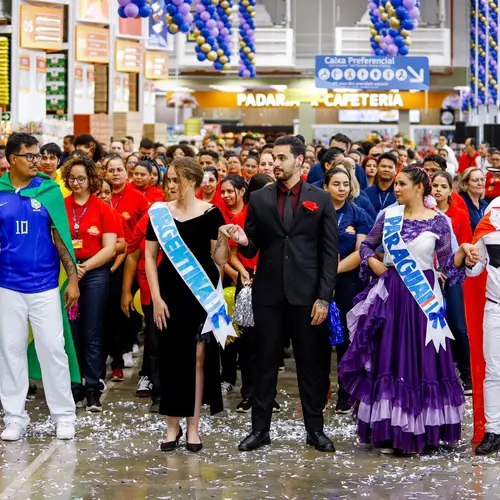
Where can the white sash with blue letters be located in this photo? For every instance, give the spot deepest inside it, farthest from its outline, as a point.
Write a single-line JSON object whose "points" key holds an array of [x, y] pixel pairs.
{"points": [[193, 274], [429, 300]]}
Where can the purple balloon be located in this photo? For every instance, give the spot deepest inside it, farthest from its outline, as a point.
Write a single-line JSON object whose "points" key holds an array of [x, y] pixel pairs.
{"points": [[211, 24], [246, 73], [124, 3], [189, 18], [178, 2], [249, 33], [376, 13], [392, 49], [414, 13], [200, 8], [131, 10], [409, 4], [214, 32], [224, 32], [372, 6], [205, 16], [246, 27], [184, 8]]}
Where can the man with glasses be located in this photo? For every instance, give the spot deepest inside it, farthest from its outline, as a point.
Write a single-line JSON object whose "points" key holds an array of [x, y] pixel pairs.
{"points": [[493, 177], [34, 240], [51, 156]]}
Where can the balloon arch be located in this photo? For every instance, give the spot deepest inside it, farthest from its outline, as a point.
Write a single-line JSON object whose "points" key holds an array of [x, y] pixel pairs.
{"points": [[210, 24]]}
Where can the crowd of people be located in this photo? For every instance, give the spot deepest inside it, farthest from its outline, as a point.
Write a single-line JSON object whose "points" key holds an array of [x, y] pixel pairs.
{"points": [[102, 241]]}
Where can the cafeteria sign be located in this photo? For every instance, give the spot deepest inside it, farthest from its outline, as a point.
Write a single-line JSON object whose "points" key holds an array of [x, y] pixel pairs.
{"points": [[358, 100]]}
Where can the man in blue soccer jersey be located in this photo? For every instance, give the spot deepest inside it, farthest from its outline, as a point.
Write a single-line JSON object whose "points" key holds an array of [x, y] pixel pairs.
{"points": [[31, 249]]}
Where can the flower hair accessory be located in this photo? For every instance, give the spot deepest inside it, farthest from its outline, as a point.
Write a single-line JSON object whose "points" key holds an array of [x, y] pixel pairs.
{"points": [[430, 202], [310, 207]]}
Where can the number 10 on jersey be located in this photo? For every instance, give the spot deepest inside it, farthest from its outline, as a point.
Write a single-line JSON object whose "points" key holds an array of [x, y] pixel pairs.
{"points": [[21, 227]]}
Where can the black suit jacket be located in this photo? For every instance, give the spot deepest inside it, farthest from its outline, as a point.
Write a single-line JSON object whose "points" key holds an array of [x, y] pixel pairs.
{"points": [[301, 264]]}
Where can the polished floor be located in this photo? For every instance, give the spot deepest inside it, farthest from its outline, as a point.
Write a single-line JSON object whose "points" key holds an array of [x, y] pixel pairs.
{"points": [[115, 456]]}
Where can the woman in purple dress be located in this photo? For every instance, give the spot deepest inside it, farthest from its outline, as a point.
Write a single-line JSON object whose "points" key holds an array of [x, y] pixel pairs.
{"points": [[399, 367]]}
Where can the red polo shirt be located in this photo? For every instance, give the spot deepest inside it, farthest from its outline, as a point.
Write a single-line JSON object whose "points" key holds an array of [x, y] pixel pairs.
{"points": [[131, 205], [492, 186], [461, 223], [466, 162], [459, 202], [94, 219]]}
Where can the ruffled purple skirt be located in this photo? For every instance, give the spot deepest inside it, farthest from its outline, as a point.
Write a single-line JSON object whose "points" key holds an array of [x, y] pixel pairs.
{"points": [[406, 395]]}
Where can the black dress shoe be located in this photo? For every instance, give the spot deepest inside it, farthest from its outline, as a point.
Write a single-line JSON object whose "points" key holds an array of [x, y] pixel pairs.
{"points": [[193, 447], [171, 445], [489, 444], [319, 440], [254, 441]]}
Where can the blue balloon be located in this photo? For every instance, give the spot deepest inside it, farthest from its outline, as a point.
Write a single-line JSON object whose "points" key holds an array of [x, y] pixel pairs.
{"points": [[218, 65], [399, 40], [210, 9], [205, 32], [184, 28], [379, 52], [210, 39], [178, 18], [403, 51], [200, 24], [172, 9], [145, 11], [408, 24], [121, 12], [206, 2], [383, 31], [394, 33], [140, 3], [201, 56], [374, 45], [402, 12], [396, 3], [197, 48]]}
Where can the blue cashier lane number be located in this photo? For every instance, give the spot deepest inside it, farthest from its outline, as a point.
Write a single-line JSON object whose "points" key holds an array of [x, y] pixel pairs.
{"points": [[372, 72]]}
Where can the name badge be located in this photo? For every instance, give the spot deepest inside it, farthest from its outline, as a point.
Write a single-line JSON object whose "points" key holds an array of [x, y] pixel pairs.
{"points": [[77, 244]]}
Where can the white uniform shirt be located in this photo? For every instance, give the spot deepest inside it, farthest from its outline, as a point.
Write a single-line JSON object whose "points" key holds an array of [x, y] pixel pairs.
{"points": [[489, 249]]}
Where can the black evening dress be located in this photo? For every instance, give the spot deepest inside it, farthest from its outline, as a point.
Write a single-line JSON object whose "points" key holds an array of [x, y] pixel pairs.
{"points": [[179, 341]]}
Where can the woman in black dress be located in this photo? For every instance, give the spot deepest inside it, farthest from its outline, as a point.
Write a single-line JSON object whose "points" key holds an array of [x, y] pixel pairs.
{"points": [[189, 361]]}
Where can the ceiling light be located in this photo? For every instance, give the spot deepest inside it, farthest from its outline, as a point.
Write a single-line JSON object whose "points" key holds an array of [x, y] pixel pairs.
{"points": [[172, 88], [228, 88], [279, 88], [345, 91]]}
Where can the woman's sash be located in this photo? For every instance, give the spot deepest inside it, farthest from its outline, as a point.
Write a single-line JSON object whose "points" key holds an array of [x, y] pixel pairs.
{"points": [[429, 300], [193, 274]]}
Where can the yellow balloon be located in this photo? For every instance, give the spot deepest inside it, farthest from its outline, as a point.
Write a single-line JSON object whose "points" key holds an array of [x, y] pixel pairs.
{"points": [[212, 56], [229, 11], [206, 48], [224, 59], [384, 17], [404, 32], [227, 66], [252, 14], [373, 32], [137, 303], [245, 3], [395, 23], [224, 4], [200, 40], [381, 8], [168, 19], [220, 52], [495, 87], [377, 38], [408, 41], [250, 8], [391, 12], [247, 50]]}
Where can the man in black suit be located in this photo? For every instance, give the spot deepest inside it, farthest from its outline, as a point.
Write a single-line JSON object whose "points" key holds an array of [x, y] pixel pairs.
{"points": [[294, 227]]}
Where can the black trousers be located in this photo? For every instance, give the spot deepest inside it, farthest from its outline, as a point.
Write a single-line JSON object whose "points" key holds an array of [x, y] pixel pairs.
{"points": [[151, 361], [311, 346]]}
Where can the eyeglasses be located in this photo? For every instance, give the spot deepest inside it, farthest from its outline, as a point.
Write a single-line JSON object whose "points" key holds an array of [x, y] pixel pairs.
{"points": [[30, 157], [477, 181], [79, 180]]}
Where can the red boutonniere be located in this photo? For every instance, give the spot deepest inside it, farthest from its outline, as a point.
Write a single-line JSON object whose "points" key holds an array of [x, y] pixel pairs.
{"points": [[310, 207]]}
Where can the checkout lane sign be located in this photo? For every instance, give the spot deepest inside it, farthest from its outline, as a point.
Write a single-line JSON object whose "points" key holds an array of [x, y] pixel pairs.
{"points": [[372, 72]]}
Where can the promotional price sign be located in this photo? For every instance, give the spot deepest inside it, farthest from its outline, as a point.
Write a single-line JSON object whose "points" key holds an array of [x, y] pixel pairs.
{"points": [[129, 56], [42, 27], [92, 44], [156, 65]]}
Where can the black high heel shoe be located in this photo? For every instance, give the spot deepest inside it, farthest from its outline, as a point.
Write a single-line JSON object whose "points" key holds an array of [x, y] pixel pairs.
{"points": [[193, 447], [171, 445]]}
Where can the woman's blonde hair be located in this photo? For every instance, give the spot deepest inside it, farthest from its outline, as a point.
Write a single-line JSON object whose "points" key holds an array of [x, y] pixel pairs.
{"points": [[346, 165], [462, 185]]}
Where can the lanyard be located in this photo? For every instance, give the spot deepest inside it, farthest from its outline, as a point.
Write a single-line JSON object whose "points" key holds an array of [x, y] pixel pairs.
{"points": [[382, 203], [76, 223], [119, 200], [339, 220]]}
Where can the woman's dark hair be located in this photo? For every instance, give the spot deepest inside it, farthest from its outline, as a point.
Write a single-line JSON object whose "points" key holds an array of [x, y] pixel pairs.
{"points": [[258, 181], [156, 167], [367, 159], [359, 153], [90, 168], [253, 157], [333, 171], [188, 150], [329, 155], [438, 160], [212, 170], [104, 180], [128, 158], [418, 175], [165, 161], [449, 179], [145, 164], [238, 183], [88, 141]]}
